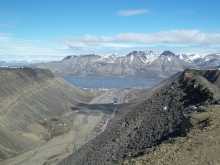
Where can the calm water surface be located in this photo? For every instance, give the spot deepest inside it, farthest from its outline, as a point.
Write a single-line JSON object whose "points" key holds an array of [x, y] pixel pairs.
{"points": [[95, 83]]}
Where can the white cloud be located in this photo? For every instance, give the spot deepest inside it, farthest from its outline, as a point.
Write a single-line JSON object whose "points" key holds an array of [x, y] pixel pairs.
{"points": [[178, 41], [172, 39], [13, 49], [133, 12], [4, 37], [115, 45], [172, 36], [81, 42], [6, 25], [164, 37]]}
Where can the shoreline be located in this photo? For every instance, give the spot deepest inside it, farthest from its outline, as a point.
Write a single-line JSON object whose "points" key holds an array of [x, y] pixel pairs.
{"points": [[112, 77]]}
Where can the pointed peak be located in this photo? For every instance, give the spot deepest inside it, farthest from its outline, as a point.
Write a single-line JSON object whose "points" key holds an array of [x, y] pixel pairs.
{"points": [[167, 53]]}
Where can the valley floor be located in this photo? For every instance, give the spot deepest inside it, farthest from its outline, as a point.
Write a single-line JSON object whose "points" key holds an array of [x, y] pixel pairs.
{"points": [[86, 125], [89, 121]]}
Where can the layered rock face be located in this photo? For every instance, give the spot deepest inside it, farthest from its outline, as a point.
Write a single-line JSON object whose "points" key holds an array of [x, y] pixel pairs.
{"points": [[29, 100], [163, 115]]}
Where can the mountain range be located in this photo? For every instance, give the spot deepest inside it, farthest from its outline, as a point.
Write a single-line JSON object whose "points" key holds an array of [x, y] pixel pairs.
{"points": [[141, 64]]}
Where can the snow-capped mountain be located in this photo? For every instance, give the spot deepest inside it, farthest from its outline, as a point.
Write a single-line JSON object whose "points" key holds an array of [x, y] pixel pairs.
{"points": [[136, 64], [209, 61], [144, 56], [191, 58], [167, 53], [113, 56]]}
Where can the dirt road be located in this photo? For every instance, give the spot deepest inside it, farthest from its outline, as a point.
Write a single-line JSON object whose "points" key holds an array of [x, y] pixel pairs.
{"points": [[112, 116]]}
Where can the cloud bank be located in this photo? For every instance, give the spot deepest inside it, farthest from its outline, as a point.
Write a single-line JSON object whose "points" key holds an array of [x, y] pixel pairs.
{"points": [[165, 37], [178, 41], [186, 41], [13, 48]]}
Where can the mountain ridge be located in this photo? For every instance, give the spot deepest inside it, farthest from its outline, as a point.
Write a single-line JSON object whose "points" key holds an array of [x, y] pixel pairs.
{"points": [[141, 64]]}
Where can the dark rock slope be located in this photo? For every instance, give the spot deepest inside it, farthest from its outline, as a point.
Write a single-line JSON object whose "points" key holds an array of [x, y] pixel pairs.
{"points": [[162, 115], [212, 75], [29, 99], [124, 108]]}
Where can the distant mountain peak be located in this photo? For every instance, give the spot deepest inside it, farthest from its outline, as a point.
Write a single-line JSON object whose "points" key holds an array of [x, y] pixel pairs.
{"points": [[190, 58], [70, 57], [113, 55], [167, 53], [143, 53], [89, 55]]}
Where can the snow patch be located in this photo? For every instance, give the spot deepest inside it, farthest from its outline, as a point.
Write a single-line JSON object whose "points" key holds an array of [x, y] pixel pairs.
{"points": [[110, 62], [142, 60], [120, 61], [193, 106], [132, 57], [151, 61]]}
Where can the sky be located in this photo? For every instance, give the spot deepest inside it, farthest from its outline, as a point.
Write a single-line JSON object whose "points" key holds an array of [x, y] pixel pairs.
{"points": [[53, 29]]}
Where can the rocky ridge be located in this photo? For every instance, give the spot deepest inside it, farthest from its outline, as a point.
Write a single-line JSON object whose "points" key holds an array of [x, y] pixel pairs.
{"points": [[199, 146], [212, 74], [165, 114]]}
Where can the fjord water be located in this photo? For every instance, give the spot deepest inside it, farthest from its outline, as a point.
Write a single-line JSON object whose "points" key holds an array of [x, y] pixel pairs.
{"points": [[95, 83]]}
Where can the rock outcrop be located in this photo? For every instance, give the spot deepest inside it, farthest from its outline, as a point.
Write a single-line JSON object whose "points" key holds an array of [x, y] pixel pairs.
{"points": [[30, 101], [212, 74], [199, 146], [165, 114]]}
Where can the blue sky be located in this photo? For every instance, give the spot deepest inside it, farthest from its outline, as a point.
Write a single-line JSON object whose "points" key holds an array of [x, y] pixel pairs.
{"points": [[52, 29]]}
